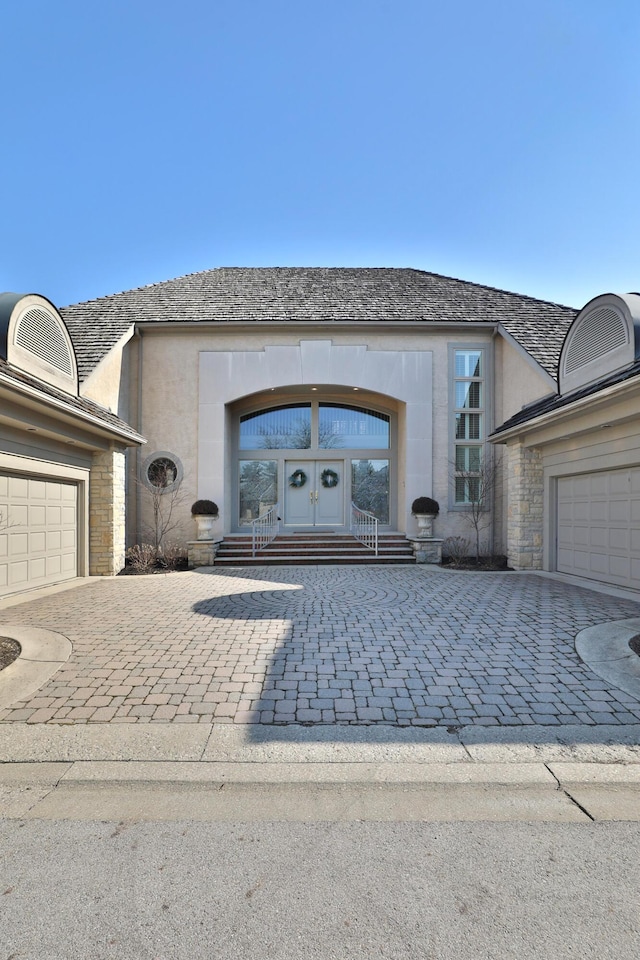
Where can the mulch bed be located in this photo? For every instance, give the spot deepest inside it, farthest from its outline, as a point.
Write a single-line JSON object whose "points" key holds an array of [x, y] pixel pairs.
{"points": [[482, 563], [9, 651]]}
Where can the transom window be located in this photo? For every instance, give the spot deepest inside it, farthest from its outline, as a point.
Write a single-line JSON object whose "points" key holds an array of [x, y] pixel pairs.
{"points": [[325, 426]]}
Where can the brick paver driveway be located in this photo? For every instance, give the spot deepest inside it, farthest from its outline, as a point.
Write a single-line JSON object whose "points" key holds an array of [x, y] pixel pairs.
{"points": [[399, 645]]}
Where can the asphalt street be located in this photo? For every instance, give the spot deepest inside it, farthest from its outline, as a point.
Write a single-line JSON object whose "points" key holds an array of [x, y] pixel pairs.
{"points": [[235, 891]]}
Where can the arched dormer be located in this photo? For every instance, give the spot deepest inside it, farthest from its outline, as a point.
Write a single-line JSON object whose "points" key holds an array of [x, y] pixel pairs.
{"points": [[34, 338], [603, 338]]}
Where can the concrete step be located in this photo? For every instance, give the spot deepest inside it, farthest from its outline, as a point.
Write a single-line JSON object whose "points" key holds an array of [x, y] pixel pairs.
{"points": [[313, 549]]}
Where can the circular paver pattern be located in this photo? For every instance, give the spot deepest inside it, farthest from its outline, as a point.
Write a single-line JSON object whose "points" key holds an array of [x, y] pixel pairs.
{"points": [[390, 645]]}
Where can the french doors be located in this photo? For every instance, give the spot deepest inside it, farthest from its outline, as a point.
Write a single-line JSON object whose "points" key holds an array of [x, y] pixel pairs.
{"points": [[314, 493]]}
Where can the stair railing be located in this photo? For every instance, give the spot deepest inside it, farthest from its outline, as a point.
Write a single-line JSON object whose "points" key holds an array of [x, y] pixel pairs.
{"points": [[265, 529], [364, 527]]}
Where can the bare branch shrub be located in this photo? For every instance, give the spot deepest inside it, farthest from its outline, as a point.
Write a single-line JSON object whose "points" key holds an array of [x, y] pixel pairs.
{"points": [[165, 495], [480, 484], [456, 549], [142, 556]]}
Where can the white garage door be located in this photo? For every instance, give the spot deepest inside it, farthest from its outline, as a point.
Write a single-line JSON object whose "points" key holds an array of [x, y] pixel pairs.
{"points": [[38, 532], [599, 526]]}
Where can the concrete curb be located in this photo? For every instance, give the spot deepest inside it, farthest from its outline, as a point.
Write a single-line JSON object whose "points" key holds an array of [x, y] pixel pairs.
{"points": [[605, 649], [43, 653]]}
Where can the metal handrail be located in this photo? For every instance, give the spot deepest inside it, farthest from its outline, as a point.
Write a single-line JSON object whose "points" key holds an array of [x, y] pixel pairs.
{"points": [[265, 529], [364, 527]]}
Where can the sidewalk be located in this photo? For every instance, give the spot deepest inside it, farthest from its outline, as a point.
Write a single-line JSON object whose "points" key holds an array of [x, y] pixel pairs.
{"points": [[120, 772]]}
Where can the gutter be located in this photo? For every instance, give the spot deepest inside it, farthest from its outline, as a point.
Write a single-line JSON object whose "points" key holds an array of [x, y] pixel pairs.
{"points": [[567, 411], [17, 387], [190, 325]]}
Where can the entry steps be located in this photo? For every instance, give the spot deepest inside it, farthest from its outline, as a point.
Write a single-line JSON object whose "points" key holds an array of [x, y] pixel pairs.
{"points": [[314, 549]]}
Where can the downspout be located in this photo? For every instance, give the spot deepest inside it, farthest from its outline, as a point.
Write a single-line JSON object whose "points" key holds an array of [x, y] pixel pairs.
{"points": [[492, 521], [138, 427]]}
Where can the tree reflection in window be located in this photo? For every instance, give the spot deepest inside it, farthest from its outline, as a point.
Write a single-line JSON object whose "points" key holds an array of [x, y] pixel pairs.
{"points": [[280, 428], [370, 487], [258, 488]]}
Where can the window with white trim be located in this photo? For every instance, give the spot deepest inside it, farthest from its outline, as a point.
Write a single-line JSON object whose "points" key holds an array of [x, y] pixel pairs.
{"points": [[469, 422]]}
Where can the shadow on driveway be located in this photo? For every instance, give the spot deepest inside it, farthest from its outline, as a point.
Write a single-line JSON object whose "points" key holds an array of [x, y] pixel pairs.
{"points": [[395, 648]]}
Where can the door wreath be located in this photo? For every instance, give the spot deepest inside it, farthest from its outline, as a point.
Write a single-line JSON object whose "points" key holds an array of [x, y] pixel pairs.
{"points": [[329, 478], [298, 478]]}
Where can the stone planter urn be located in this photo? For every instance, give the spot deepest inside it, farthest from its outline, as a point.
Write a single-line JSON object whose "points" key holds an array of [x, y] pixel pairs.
{"points": [[425, 510], [205, 513]]}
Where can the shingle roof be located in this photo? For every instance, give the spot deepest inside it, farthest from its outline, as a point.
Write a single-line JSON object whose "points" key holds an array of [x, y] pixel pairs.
{"points": [[311, 295], [556, 401], [81, 404]]}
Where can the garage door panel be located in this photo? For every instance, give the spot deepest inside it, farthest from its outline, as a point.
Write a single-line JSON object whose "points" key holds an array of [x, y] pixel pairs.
{"points": [[18, 514], [619, 567], [19, 574], [598, 563], [599, 533], [41, 546], [18, 544], [620, 511], [618, 540], [37, 514], [18, 488], [38, 568], [38, 542], [618, 483], [54, 516], [38, 490]]}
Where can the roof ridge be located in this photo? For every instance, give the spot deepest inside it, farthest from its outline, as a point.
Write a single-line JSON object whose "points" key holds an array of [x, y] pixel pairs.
{"points": [[415, 270]]}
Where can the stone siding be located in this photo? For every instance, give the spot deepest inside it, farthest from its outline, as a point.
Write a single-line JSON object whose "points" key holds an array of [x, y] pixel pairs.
{"points": [[107, 512], [525, 507]]}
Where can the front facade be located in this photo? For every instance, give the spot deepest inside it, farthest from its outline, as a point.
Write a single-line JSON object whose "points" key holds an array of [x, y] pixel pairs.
{"points": [[318, 389], [313, 390]]}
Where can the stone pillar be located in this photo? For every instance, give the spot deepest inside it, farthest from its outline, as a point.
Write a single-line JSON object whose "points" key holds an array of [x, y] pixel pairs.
{"points": [[525, 507], [202, 553], [106, 512], [426, 549]]}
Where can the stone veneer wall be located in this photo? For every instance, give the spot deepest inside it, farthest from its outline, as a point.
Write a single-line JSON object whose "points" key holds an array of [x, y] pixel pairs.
{"points": [[107, 512], [525, 507]]}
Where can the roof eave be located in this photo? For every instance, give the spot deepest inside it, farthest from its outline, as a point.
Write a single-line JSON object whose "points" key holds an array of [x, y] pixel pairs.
{"points": [[565, 412], [305, 324], [130, 436]]}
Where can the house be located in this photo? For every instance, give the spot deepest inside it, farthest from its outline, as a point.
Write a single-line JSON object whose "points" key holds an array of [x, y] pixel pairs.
{"points": [[310, 388]]}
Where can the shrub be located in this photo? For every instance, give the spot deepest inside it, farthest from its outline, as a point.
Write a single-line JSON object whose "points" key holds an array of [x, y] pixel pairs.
{"points": [[425, 505], [142, 556], [204, 508], [456, 549], [173, 554]]}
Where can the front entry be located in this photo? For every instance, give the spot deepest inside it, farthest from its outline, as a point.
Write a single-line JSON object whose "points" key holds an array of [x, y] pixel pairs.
{"points": [[314, 493]]}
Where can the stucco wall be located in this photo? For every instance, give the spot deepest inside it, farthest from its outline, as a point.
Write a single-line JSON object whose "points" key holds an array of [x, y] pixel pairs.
{"points": [[186, 373]]}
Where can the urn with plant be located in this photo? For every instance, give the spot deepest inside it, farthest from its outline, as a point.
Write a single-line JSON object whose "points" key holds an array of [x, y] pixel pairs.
{"points": [[425, 510], [205, 513]]}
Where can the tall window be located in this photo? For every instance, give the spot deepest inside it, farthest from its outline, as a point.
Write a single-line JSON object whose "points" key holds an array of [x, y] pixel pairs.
{"points": [[469, 423]]}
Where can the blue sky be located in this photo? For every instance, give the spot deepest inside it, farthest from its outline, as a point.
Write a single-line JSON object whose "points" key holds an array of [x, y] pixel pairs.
{"points": [[496, 141]]}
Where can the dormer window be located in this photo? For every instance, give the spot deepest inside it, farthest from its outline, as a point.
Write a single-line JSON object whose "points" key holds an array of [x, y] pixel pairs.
{"points": [[37, 341], [600, 341]]}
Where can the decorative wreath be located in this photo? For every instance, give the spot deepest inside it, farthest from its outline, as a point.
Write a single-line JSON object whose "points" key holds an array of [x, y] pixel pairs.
{"points": [[329, 478], [298, 478]]}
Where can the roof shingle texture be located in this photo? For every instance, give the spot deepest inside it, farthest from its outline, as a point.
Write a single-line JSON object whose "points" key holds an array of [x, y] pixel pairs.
{"points": [[81, 404], [316, 295]]}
